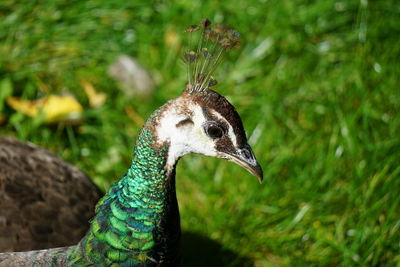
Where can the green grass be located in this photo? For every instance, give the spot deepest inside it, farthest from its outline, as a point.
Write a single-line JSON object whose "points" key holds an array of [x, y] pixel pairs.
{"points": [[317, 87]]}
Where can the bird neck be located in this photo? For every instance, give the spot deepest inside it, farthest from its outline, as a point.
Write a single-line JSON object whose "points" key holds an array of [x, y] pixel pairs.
{"points": [[137, 221]]}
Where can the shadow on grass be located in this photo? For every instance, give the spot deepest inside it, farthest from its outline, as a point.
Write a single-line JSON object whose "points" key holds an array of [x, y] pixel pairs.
{"points": [[198, 250]]}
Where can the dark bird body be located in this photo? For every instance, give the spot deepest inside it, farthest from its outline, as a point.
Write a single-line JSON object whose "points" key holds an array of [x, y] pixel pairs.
{"points": [[137, 222], [39, 192]]}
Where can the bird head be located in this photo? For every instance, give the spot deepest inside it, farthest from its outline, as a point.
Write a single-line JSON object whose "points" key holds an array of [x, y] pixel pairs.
{"points": [[205, 123], [201, 120]]}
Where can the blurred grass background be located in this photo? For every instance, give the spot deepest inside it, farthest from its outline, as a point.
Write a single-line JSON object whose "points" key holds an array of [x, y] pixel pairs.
{"points": [[316, 84]]}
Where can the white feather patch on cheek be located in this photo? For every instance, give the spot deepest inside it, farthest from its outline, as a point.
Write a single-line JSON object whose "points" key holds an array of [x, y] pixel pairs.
{"points": [[186, 139], [199, 132]]}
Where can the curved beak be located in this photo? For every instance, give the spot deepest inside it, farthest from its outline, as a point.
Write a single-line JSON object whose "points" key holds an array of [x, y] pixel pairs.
{"points": [[245, 158]]}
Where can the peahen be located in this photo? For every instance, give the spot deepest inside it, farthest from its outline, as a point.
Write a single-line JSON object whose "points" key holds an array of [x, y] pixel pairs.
{"points": [[39, 192], [137, 221]]}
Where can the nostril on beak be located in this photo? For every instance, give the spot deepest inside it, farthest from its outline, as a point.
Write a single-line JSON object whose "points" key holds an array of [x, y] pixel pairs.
{"points": [[246, 154]]}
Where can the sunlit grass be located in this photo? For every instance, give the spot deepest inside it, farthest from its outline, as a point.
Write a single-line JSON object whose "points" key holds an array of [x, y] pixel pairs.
{"points": [[317, 87]]}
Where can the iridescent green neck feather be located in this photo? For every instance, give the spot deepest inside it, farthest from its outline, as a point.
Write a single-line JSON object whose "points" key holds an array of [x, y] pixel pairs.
{"points": [[137, 221]]}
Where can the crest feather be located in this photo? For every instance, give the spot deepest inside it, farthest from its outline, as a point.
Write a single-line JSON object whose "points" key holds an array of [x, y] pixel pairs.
{"points": [[208, 52]]}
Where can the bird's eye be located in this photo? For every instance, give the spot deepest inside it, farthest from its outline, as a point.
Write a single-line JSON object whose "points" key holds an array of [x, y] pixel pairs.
{"points": [[214, 131]]}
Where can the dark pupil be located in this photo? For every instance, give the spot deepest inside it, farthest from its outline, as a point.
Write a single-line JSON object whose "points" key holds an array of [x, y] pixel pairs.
{"points": [[214, 132]]}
